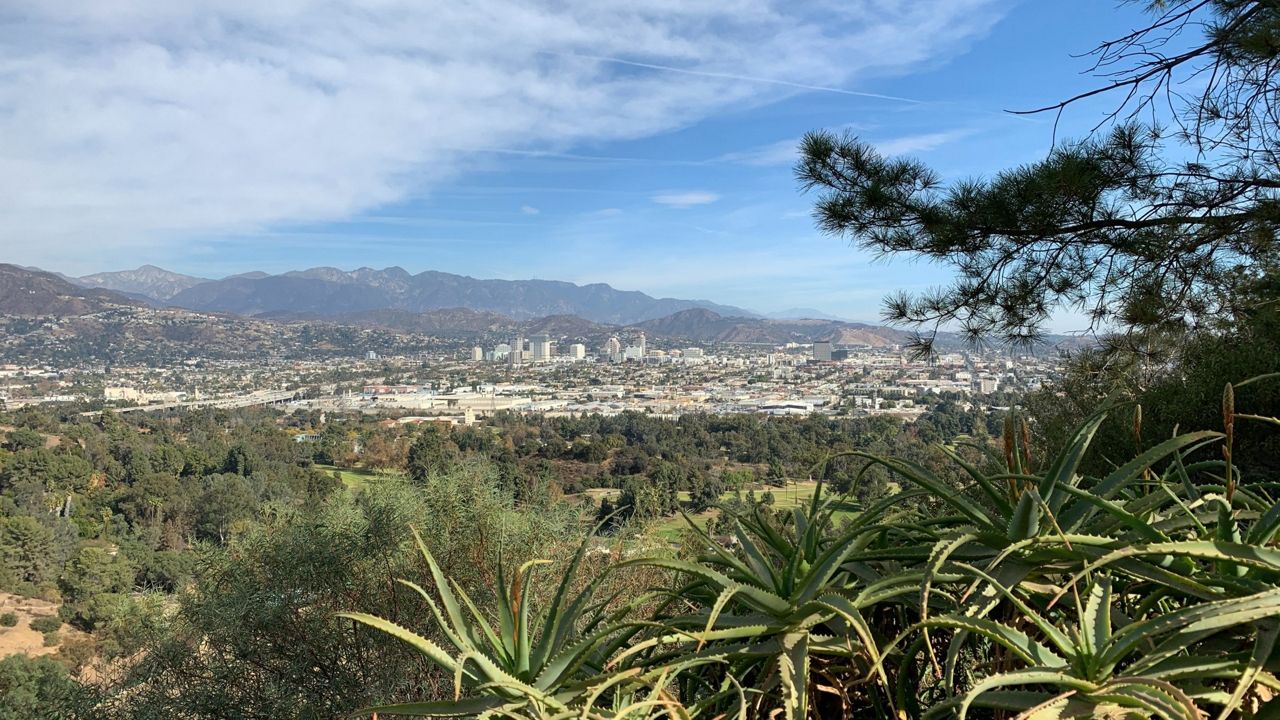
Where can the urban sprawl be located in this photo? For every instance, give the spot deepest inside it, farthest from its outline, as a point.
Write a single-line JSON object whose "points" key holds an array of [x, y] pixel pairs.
{"points": [[534, 375]]}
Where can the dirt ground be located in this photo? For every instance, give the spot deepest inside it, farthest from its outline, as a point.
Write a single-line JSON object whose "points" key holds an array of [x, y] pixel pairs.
{"points": [[50, 441], [21, 639]]}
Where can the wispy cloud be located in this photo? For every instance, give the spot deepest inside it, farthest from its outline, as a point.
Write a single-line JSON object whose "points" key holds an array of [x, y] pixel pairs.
{"points": [[149, 122], [924, 142], [529, 210], [786, 152], [783, 152], [686, 199], [747, 78]]}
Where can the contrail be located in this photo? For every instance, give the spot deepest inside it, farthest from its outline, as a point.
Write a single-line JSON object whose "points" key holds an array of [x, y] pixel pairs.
{"points": [[743, 78]]}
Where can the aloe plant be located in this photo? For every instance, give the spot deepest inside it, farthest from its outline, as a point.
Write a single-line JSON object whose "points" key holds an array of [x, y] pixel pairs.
{"points": [[1152, 590], [520, 666], [782, 599], [1097, 658]]}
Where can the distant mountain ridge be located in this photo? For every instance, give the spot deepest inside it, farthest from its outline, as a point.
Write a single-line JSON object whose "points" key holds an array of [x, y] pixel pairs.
{"points": [[331, 292], [147, 281], [804, 314], [34, 293], [701, 325]]}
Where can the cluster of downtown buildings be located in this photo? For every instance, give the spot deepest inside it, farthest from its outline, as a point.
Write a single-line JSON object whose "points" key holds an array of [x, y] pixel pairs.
{"points": [[787, 380], [542, 349]]}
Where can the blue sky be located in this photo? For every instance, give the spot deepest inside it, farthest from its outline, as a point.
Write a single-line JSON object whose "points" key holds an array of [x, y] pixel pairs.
{"points": [[646, 144]]}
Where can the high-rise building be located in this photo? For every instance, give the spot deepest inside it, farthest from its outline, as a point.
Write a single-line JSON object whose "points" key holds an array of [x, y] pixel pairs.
{"points": [[540, 348], [578, 351], [822, 351], [644, 350], [517, 350], [477, 354], [613, 349]]}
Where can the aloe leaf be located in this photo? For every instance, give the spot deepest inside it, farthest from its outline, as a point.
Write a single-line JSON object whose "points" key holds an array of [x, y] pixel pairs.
{"points": [[1028, 649], [1263, 646], [1071, 518], [1031, 676], [1025, 521], [433, 652]]}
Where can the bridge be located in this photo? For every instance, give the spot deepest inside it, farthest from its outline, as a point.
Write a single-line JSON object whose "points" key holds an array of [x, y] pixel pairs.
{"points": [[255, 398]]}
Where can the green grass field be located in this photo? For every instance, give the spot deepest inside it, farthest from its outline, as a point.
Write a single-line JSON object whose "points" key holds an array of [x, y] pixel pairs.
{"points": [[354, 478], [793, 494]]}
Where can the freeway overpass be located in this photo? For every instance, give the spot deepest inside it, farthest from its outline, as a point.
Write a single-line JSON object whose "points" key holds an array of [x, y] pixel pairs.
{"points": [[255, 398]]}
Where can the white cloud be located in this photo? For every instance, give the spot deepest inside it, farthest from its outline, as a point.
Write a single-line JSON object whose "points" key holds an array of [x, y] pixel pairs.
{"points": [[924, 142], [529, 210], [686, 199], [145, 122], [783, 152]]}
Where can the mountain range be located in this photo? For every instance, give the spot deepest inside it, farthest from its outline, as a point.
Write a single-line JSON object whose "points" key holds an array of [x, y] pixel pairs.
{"points": [[26, 292], [364, 300], [150, 282], [329, 292]]}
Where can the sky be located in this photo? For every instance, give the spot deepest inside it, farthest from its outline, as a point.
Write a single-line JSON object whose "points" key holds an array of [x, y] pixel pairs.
{"points": [[648, 144]]}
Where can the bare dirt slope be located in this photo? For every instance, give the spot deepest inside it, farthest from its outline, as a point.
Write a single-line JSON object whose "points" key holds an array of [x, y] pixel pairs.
{"points": [[21, 639]]}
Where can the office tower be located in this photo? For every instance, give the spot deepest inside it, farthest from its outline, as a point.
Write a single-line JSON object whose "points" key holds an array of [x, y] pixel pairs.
{"points": [[540, 348], [613, 349]]}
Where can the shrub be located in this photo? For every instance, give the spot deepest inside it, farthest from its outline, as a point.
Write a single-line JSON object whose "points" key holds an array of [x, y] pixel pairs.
{"points": [[45, 624], [39, 688], [8, 619], [77, 652]]}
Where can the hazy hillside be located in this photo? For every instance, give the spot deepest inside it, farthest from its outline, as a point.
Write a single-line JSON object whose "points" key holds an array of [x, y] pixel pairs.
{"points": [[701, 325], [26, 292], [148, 281], [329, 292], [449, 321]]}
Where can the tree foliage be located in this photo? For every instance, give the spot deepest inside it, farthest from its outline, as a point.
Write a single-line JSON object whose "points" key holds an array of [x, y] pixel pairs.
{"points": [[1142, 228]]}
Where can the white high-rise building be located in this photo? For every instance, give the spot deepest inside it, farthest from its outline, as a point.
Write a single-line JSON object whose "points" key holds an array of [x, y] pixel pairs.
{"points": [[477, 354], [578, 351], [613, 349], [517, 350], [540, 348]]}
